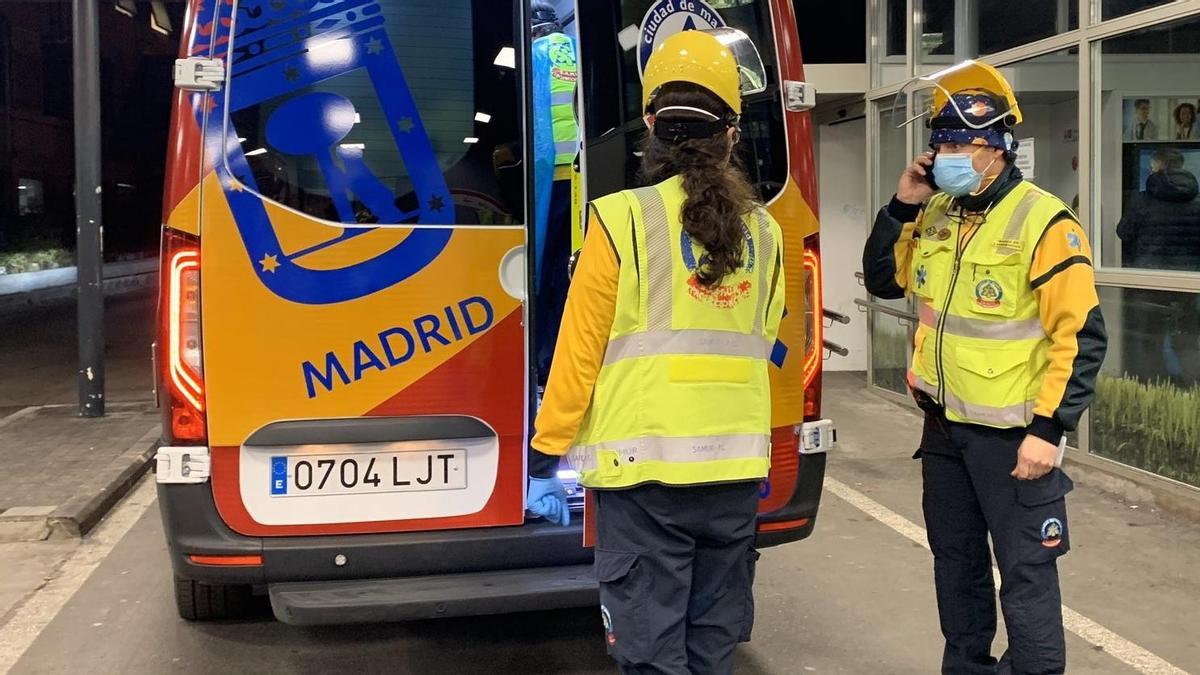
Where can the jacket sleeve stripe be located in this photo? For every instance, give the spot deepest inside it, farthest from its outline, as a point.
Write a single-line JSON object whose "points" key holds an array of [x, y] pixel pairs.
{"points": [[1069, 262]]}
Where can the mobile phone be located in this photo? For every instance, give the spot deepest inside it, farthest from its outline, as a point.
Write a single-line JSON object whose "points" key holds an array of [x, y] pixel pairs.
{"points": [[929, 173]]}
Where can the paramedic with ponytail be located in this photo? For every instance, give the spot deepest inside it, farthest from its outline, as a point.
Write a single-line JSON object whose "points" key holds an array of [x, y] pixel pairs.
{"points": [[659, 395]]}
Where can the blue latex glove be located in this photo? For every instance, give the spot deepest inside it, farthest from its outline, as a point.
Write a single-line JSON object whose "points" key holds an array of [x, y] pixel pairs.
{"points": [[548, 499]]}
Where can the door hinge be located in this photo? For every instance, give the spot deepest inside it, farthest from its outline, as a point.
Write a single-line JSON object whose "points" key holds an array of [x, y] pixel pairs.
{"points": [[197, 74]]}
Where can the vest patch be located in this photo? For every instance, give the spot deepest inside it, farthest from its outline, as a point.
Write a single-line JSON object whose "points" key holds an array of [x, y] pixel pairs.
{"points": [[722, 296], [1009, 245], [988, 293]]}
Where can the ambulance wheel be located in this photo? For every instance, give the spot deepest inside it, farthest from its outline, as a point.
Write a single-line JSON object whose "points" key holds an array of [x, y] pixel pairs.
{"points": [[207, 602]]}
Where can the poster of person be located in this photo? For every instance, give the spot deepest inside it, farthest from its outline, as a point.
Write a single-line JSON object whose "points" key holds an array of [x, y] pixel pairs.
{"points": [[1160, 118]]}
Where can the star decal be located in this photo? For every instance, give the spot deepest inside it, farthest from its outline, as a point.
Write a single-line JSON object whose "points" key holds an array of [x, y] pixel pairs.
{"points": [[436, 204], [235, 185], [374, 46], [291, 73], [406, 124], [269, 263]]}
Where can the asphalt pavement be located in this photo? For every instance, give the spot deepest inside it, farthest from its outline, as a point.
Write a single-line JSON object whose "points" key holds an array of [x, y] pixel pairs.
{"points": [[855, 598]]}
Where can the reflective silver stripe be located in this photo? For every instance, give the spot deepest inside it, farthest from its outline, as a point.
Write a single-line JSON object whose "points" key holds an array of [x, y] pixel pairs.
{"points": [[965, 326], [702, 342], [1012, 234], [675, 450], [766, 257], [562, 97], [657, 233], [566, 148], [1017, 415], [919, 384]]}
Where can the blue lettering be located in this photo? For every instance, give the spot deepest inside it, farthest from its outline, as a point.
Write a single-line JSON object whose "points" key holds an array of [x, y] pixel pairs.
{"points": [[387, 346], [332, 365], [432, 332], [472, 327], [364, 359], [454, 324]]}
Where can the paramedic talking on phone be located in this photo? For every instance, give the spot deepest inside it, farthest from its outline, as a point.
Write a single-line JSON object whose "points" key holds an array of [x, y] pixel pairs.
{"points": [[659, 392], [1009, 342]]}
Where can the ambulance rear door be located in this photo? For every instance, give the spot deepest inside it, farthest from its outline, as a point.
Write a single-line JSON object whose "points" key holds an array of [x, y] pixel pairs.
{"points": [[363, 265]]}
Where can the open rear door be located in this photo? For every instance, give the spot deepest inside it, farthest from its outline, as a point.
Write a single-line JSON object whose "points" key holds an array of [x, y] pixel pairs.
{"points": [[362, 265]]}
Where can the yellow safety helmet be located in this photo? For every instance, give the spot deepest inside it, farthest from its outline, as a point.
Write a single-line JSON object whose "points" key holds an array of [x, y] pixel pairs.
{"points": [[973, 76], [722, 60]]}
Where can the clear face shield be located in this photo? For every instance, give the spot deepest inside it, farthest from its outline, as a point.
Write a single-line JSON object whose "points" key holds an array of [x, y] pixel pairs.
{"points": [[925, 96], [752, 75]]}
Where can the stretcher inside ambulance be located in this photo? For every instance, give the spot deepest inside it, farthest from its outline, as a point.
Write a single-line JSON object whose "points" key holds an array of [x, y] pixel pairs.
{"points": [[350, 350]]}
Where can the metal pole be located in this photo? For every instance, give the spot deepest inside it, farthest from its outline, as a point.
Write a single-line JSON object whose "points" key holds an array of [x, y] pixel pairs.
{"points": [[966, 29], [85, 32]]}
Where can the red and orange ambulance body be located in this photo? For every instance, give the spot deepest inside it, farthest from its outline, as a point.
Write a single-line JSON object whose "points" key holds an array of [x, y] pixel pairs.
{"points": [[344, 360]]}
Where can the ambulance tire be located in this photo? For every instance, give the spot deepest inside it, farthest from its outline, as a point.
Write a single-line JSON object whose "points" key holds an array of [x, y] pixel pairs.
{"points": [[206, 602]]}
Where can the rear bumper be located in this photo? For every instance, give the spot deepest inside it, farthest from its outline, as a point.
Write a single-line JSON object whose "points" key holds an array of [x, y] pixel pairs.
{"points": [[799, 516], [193, 527], [381, 600]]}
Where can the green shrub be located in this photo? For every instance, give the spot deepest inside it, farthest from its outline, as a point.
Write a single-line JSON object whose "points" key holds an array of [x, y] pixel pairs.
{"points": [[1150, 425], [16, 262]]}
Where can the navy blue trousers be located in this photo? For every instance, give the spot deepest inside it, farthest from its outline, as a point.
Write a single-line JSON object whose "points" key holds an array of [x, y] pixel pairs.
{"points": [[968, 495], [676, 570]]}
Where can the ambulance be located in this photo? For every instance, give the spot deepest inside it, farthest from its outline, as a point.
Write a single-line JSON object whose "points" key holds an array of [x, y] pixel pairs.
{"points": [[344, 350]]}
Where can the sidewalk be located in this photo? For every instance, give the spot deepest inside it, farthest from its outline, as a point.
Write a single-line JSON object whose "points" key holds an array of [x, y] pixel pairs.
{"points": [[62, 472]]}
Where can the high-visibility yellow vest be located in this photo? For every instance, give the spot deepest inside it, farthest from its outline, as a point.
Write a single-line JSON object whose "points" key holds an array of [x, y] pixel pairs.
{"points": [[683, 396], [564, 72], [980, 349]]}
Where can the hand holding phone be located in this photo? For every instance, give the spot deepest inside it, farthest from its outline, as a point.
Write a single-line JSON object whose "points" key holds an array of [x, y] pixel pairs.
{"points": [[916, 183]]}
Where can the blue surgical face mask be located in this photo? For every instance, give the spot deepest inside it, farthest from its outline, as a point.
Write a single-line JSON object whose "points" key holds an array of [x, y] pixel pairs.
{"points": [[955, 174]]}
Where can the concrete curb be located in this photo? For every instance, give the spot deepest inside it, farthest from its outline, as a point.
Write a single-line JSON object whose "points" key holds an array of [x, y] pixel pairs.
{"points": [[1134, 486], [80, 514]]}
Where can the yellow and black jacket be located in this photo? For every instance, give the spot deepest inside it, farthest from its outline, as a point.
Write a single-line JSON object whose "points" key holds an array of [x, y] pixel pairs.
{"points": [[1060, 275]]}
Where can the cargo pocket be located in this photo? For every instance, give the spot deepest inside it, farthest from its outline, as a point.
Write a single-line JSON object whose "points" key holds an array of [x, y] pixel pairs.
{"points": [[1042, 534], [622, 588], [752, 557]]}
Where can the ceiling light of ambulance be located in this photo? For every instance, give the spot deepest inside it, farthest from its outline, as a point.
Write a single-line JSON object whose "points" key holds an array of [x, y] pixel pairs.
{"points": [[357, 118], [255, 153], [507, 58], [628, 37], [126, 7], [241, 139], [470, 140], [483, 118], [331, 54], [354, 146]]}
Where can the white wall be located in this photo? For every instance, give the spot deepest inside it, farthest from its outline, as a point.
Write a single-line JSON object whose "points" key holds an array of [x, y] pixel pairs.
{"points": [[841, 152]]}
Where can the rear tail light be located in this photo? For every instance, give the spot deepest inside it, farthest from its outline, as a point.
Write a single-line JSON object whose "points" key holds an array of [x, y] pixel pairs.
{"points": [[815, 328], [183, 370]]}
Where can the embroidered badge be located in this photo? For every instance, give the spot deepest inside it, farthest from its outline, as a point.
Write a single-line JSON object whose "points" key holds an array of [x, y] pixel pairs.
{"points": [[610, 636], [1052, 530], [722, 296], [1073, 241], [930, 231], [922, 275], [988, 294], [944, 234]]}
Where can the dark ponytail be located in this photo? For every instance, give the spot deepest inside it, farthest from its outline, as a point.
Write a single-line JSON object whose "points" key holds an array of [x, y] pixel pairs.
{"points": [[718, 193]]}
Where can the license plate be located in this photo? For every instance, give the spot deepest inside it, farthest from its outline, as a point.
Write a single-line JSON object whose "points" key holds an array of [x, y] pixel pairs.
{"points": [[364, 473]]}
